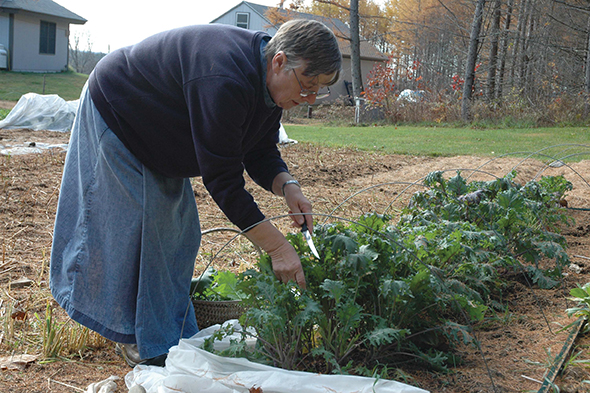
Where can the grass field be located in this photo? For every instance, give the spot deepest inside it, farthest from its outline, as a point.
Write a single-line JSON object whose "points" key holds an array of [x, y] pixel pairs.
{"points": [[442, 141], [67, 85]]}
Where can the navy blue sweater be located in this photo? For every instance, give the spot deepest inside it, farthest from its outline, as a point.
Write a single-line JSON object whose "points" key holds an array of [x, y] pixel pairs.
{"points": [[190, 102]]}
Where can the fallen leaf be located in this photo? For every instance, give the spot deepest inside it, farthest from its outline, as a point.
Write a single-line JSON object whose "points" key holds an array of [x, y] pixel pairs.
{"points": [[16, 362], [19, 315], [254, 389]]}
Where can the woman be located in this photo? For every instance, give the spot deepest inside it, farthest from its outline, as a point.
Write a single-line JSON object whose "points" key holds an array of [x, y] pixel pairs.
{"points": [[196, 101]]}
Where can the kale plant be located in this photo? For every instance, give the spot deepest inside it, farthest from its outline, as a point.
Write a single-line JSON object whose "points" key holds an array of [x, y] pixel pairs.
{"points": [[385, 293]]}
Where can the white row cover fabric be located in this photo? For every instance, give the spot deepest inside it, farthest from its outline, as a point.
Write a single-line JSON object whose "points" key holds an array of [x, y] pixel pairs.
{"points": [[31, 148], [191, 369], [41, 112], [283, 138]]}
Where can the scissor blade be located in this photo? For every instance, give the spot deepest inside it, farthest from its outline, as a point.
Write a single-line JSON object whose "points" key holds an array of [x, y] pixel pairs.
{"points": [[309, 240]]}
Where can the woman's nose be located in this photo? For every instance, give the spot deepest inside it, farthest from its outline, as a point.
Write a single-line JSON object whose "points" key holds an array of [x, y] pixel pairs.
{"points": [[310, 99]]}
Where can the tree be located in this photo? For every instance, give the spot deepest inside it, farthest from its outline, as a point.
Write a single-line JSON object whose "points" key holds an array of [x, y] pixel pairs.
{"points": [[504, 50], [355, 50], [472, 59], [355, 45], [493, 60], [81, 59], [374, 24]]}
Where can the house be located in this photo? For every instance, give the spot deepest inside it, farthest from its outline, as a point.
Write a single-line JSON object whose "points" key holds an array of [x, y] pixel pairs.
{"points": [[34, 35], [256, 17]]}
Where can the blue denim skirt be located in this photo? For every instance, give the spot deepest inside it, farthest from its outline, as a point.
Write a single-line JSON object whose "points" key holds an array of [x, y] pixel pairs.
{"points": [[125, 242]]}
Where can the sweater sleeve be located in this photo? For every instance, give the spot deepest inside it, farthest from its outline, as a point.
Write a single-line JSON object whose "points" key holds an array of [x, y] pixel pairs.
{"points": [[220, 111], [264, 162]]}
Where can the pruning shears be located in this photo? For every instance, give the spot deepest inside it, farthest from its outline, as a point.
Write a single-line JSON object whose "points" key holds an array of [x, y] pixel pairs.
{"points": [[309, 240]]}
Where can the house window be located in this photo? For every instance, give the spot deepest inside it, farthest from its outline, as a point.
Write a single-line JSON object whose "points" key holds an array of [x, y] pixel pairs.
{"points": [[243, 20], [47, 38]]}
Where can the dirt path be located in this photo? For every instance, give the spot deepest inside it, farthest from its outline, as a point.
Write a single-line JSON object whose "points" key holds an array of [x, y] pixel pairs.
{"points": [[7, 104]]}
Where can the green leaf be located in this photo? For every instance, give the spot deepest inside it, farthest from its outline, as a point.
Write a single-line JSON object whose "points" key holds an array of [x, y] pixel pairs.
{"points": [[511, 199], [309, 313], [457, 185], [456, 330], [370, 223], [342, 243], [368, 252], [420, 281], [385, 336], [579, 293], [475, 310], [391, 289], [334, 289], [201, 283], [539, 278], [349, 316], [435, 178], [225, 287]]}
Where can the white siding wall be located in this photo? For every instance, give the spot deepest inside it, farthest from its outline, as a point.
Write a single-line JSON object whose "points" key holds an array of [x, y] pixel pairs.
{"points": [[256, 22], [26, 46]]}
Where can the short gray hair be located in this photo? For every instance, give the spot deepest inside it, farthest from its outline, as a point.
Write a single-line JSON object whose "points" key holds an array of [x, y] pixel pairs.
{"points": [[309, 43]]}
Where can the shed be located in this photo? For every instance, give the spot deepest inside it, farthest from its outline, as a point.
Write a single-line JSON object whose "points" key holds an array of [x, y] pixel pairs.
{"points": [[35, 35]]}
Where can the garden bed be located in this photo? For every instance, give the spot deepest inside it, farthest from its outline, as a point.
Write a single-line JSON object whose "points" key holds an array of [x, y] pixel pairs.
{"points": [[515, 347]]}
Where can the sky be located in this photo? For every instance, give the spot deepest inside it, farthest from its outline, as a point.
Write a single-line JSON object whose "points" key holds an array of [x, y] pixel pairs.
{"points": [[113, 24]]}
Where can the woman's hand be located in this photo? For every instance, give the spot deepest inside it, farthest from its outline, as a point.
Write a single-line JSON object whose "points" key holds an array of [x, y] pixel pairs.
{"points": [[298, 204], [285, 261]]}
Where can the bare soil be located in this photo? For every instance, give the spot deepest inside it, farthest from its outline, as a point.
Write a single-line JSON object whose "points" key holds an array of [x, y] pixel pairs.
{"points": [[7, 104], [515, 348]]}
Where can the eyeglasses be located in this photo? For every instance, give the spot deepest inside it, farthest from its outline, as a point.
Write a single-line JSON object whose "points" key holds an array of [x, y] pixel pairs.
{"points": [[322, 93]]}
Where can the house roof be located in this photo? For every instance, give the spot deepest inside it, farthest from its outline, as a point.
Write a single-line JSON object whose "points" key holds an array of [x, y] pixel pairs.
{"points": [[44, 7], [340, 29]]}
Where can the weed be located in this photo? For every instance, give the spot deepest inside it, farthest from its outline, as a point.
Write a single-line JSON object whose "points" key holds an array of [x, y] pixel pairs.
{"points": [[574, 361], [547, 363], [4, 113], [65, 338], [581, 295]]}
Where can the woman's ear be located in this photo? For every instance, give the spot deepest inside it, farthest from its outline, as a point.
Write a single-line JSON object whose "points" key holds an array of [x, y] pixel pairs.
{"points": [[279, 62]]}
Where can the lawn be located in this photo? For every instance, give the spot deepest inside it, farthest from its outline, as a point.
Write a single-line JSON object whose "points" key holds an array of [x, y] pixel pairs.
{"points": [[67, 85], [446, 141]]}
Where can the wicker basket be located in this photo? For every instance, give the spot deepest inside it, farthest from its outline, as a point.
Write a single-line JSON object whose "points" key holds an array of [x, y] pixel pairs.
{"points": [[212, 312]]}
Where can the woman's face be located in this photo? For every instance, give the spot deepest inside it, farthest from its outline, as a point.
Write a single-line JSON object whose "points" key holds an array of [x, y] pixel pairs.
{"points": [[285, 85]]}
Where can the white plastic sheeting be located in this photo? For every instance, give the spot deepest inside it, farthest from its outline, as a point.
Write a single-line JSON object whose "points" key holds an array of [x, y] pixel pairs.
{"points": [[31, 148], [283, 138], [41, 112], [411, 95], [190, 369], [105, 386]]}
